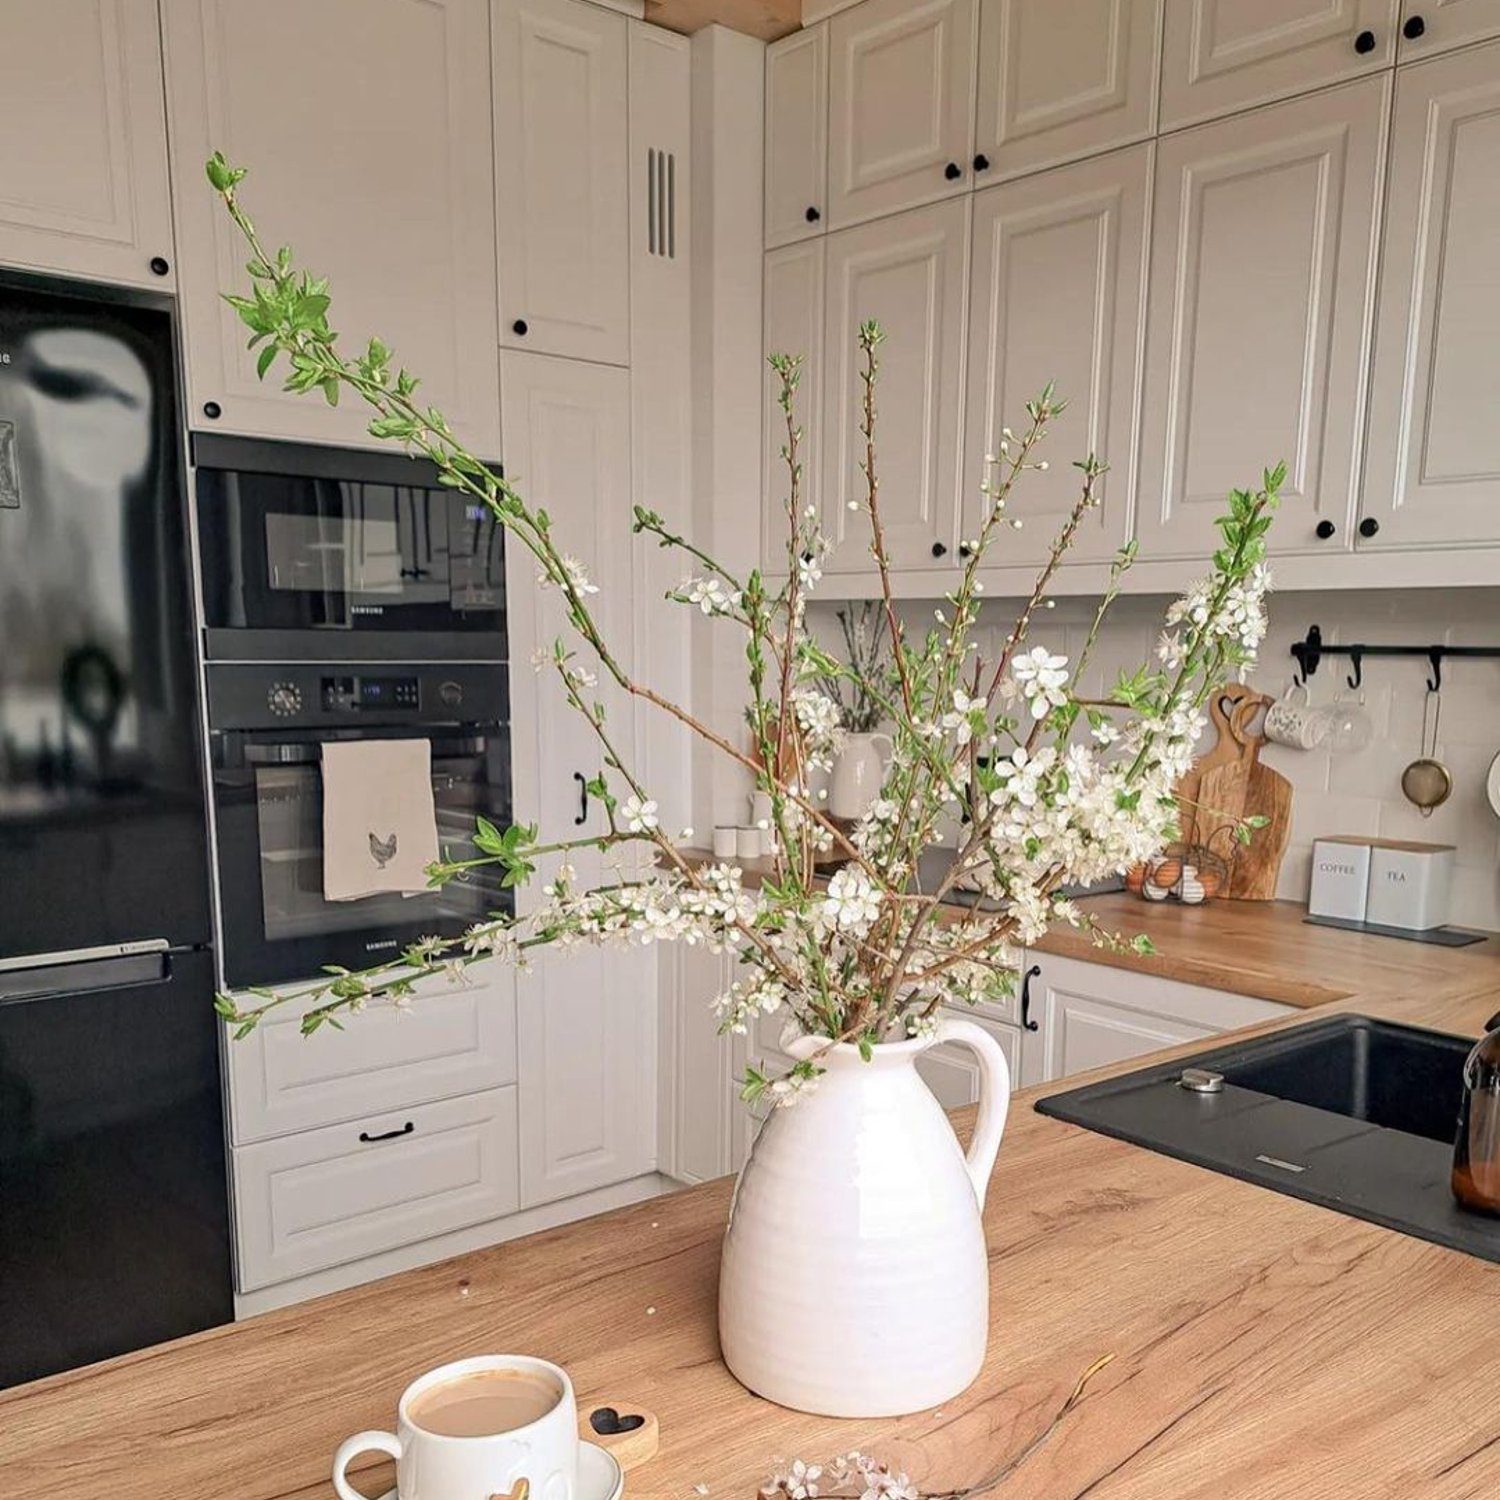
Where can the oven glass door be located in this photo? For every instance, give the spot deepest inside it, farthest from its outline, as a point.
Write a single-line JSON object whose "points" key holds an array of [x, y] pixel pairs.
{"points": [[278, 926]]}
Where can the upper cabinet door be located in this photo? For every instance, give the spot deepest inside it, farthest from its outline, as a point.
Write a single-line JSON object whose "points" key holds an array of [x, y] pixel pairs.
{"points": [[1262, 271], [797, 136], [561, 134], [83, 178], [1056, 295], [1429, 26], [365, 126], [1219, 56], [909, 273], [901, 105], [1433, 471], [1058, 82], [792, 324]]}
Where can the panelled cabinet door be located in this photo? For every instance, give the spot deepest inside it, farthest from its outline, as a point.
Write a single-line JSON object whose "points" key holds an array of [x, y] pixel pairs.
{"points": [[1262, 268], [1432, 475], [901, 105], [792, 324], [365, 126], [83, 176], [1219, 56], [797, 136], [1437, 25], [1058, 82], [1056, 295], [560, 141], [909, 273]]}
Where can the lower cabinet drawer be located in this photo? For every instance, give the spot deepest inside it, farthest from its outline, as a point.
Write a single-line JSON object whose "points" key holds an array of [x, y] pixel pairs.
{"points": [[325, 1197]]}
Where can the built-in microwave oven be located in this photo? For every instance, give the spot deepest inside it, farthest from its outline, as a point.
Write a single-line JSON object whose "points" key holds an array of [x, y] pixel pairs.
{"points": [[311, 553]]}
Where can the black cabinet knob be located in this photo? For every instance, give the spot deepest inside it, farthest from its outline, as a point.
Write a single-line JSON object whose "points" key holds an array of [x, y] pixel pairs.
{"points": [[812, 216], [1369, 526], [1324, 530], [160, 265], [953, 171], [1413, 28], [212, 410], [1364, 42], [981, 163], [939, 549], [519, 327], [965, 550]]}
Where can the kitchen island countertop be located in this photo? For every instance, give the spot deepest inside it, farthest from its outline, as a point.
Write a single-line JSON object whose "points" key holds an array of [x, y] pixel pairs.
{"points": [[1263, 1347]]}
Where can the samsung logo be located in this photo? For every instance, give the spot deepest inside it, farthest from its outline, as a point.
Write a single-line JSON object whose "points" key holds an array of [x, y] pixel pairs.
{"points": [[4, 356], [367, 609], [382, 943]]}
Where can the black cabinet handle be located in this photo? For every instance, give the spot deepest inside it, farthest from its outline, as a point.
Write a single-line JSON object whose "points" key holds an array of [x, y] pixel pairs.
{"points": [[953, 171], [1369, 526], [1324, 530], [1027, 1024], [519, 327], [1415, 27], [160, 265], [981, 163], [812, 216], [965, 550], [1364, 42], [939, 549], [387, 1135], [583, 798], [212, 410]]}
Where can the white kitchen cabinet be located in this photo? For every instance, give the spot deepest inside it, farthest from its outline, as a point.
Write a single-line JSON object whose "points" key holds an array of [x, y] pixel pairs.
{"points": [[1090, 1015], [83, 178], [1056, 294], [1062, 81], [797, 136], [1260, 305], [910, 273], [1433, 460], [952, 1070], [702, 1113], [561, 139], [1431, 26], [586, 1018], [365, 127], [900, 105], [1219, 56], [792, 323]]}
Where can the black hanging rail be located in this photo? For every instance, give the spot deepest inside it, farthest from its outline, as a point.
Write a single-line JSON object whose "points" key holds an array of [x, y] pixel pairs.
{"points": [[1312, 649]]}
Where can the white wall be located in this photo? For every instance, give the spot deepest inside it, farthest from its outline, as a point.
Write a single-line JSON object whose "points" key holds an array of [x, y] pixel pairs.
{"points": [[1358, 793]]}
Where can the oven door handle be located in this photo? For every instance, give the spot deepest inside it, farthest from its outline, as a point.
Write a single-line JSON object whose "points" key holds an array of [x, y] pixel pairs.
{"points": [[306, 753]]}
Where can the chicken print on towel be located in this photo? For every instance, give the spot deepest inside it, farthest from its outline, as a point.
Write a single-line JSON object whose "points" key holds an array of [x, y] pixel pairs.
{"points": [[379, 822]]}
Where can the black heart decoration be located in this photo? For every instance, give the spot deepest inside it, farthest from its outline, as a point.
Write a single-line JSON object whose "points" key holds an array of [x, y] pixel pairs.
{"points": [[607, 1422]]}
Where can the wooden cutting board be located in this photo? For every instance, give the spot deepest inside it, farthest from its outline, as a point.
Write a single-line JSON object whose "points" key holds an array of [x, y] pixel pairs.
{"points": [[1257, 865], [1229, 703]]}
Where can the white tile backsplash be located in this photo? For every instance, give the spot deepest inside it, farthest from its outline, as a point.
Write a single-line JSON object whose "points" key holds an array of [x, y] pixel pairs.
{"points": [[1350, 793]]}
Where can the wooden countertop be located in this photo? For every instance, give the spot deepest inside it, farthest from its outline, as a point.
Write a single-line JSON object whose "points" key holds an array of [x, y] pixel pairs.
{"points": [[1264, 1347]]}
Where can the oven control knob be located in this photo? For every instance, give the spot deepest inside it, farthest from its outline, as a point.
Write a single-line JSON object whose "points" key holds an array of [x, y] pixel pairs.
{"points": [[284, 699], [451, 693]]}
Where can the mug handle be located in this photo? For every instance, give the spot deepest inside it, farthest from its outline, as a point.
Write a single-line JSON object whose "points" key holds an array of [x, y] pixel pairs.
{"points": [[994, 1099], [350, 1448]]}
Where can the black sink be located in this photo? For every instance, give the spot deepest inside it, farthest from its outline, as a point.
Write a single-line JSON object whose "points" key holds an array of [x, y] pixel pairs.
{"points": [[1351, 1113]]}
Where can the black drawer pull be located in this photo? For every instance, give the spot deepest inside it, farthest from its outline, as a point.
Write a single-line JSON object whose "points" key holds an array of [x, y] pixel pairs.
{"points": [[387, 1135], [1364, 42], [1415, 27], [1369, 526], [583, 799], [953, 171], [1027, 1024], [812, 216], [1324, 529]]}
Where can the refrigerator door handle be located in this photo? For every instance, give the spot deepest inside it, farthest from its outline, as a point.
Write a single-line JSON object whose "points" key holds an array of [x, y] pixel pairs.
{"points": [[84, 955], [116, 972]]}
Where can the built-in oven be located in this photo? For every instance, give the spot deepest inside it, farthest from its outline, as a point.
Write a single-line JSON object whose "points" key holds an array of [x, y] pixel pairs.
{"points": [[267, 725], [310, 553]]}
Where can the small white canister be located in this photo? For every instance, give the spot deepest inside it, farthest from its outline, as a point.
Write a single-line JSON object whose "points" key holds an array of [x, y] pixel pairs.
{"points": [[1340, 878], [1410, 884]]}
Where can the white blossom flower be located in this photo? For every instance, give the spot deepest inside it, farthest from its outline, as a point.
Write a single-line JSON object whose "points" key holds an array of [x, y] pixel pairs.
{"points": [[852, 902], [638, 816], [709, 594], [1042, 679]]}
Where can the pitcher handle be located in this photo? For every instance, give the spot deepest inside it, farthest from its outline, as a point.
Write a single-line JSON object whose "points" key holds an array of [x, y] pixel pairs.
{"points": [[889, 752], [994, 1099]]}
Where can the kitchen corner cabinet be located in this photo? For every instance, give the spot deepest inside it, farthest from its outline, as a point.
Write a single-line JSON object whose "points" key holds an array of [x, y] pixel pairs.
{"points": [[1219, 56], [1433, 461], [900, 105], [365, 126], [797, 136], [83, 179], [1056, 294], [1438, 25], [1260, 305], [561, 138], [910, 272], [1060, 82]]}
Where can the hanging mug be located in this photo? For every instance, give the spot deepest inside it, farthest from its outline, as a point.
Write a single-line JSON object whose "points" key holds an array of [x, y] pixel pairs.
{"points": [[1292, 720]]}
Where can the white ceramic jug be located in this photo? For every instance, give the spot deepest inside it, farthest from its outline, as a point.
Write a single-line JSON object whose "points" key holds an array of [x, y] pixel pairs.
{"points": [[854, 1280], [858, 772]]}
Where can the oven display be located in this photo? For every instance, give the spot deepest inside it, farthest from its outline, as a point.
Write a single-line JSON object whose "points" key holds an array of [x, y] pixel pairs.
{"points": [[344, 693]]}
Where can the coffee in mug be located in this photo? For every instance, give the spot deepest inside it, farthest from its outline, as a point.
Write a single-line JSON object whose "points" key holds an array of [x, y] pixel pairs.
{"points": [[485, 1404]]}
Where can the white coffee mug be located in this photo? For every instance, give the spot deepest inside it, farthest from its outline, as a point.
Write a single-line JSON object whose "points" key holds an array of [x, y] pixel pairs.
{"points": [[430, 1466], [1292, 720]]}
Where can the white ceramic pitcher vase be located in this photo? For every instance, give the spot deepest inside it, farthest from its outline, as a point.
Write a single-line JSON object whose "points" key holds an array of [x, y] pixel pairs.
{"points": [[854, 1280], [858, 772]]}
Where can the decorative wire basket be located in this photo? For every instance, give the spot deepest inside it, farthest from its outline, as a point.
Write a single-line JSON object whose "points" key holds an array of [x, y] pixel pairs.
{"points": [[1190, 873]]}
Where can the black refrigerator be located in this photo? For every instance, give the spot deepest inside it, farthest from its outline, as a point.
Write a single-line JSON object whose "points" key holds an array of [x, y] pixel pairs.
{"points": [[114, 1219]]}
